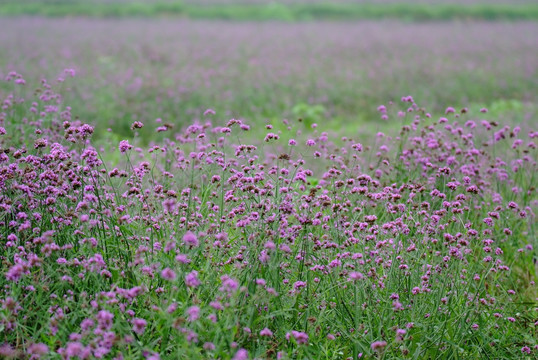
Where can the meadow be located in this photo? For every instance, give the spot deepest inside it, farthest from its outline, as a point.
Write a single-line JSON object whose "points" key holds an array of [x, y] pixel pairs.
{"points": [[192, 189], [331, 72]]}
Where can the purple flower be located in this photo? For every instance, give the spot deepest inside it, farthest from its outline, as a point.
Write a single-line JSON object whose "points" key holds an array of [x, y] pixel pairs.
{"points": [[229, 285], [168, 274], [300, 337], [104, 319], [38, 349], [137, 125], [15, 272], [191, 279], [193, 313], [266, 332], [124, 146], [190, 239], [139, 325], [378, 345], [241, 354]]}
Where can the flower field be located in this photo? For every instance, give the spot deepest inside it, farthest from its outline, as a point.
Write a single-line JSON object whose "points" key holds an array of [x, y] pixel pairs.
{"points": [[133, 69], [201, 198]]}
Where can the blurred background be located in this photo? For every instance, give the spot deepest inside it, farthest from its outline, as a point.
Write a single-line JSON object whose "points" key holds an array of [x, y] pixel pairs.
{"points": [[330, 62]]}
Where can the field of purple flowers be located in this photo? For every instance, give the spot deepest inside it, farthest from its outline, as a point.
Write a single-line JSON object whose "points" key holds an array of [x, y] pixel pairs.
{"points": [[135, 69], [213, 243], [177, 189]]}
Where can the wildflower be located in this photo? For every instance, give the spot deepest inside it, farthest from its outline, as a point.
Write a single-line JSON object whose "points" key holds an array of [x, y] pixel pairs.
{"points": [[124, 146], [182, 258], [193, 313], [137, 125], [209, 346], [104, 319], [378, 345], [139, 325], [7, 351], [74, 349], [168, 274], [300, 337], [38, 349], [229, 285], [241, 354], [355, 276], [266, 332], [190, 239], [400, 333], [191, 279], [15, 272]]}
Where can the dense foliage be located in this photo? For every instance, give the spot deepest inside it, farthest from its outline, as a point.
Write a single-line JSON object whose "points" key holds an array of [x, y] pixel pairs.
{"points": [[275, 10]]}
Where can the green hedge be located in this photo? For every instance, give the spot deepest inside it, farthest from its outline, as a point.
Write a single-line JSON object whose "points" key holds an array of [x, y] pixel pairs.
{"points": [[275, 11]]}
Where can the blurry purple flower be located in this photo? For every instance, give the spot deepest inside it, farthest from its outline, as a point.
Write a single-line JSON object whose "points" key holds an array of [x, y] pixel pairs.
{"points": [[193, 313], [139, 325], [190, 239], [37, 349], [266, 332], [241, 354], [378, 345], [191, 279], [300, 337], [168, 274], [15, 272], [104, 319]]}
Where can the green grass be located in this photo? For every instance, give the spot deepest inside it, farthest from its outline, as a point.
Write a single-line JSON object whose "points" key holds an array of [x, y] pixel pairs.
{"points": [[275, 11]]}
